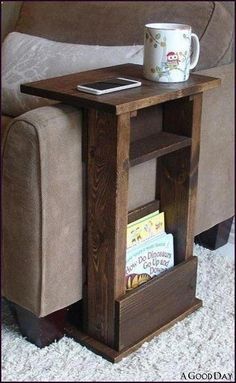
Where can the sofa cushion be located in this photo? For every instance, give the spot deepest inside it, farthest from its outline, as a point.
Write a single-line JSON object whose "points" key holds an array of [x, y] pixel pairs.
{"points": [[5, 124], [5, 120], [42, 210], [28, 58], [122, 23]]}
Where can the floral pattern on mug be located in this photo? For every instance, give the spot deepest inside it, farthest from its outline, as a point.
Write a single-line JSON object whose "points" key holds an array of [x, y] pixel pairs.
{"points": [[155, 39]]}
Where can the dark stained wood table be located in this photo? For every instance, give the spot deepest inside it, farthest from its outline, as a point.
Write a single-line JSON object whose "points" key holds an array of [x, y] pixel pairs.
{"points": [[115, 322]]}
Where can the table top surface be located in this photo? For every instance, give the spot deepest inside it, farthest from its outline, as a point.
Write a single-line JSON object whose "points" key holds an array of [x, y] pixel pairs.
{"points": [[64, 89]]}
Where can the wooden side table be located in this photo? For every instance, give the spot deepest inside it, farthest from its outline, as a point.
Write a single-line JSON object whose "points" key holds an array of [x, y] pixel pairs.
{"points": [[115, 322]]}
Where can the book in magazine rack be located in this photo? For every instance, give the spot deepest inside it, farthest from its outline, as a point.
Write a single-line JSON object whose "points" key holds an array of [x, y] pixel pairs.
{"points": [[110, 321]]}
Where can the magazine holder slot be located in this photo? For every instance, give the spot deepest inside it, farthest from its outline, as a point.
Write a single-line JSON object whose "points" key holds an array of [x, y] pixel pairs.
{"points": [[155, 303], [143, 210]]}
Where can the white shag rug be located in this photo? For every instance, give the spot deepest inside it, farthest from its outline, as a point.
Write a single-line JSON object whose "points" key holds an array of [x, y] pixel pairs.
{"points": [[201, 343]]}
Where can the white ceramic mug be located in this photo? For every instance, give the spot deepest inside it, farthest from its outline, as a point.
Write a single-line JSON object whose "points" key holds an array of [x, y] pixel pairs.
{"points": [[167, 51]]}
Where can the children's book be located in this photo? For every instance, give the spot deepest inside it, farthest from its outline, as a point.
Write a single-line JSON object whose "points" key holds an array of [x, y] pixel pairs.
{"points": [[151, 257], [144, 228]]}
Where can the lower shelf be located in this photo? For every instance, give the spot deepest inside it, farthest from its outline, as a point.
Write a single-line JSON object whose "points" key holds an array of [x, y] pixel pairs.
{"points": [[145, 311], [155, 303], [115, 356]]}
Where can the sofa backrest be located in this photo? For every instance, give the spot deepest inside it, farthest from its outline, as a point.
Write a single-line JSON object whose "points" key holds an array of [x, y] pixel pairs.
{"points": [[109, 22], [104, 22], [9, 15], [122, 23]]}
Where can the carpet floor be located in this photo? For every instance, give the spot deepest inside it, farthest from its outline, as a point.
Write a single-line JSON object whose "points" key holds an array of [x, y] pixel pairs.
{"points": [[201, 343]]}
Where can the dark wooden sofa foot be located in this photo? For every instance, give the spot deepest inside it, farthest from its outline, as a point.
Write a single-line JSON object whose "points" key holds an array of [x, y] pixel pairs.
{"points": [[40, 331], [216, 236]]}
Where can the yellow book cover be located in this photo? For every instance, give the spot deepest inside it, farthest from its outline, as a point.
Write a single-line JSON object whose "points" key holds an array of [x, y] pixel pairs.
{"points": [[145, 228]]}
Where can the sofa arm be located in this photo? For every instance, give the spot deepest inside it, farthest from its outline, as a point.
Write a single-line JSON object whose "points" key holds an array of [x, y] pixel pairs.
{"points": [[42, 209]]}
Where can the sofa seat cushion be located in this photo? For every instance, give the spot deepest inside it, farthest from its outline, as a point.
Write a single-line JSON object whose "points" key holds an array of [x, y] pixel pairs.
{"points": [[39, 58], [42, 210]]}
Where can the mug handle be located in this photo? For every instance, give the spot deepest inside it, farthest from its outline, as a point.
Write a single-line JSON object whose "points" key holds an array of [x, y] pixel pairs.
{"points": [[196, 51]]}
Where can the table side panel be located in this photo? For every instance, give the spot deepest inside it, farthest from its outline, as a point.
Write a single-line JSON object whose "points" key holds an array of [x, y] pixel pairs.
{"points": [[108, 156]]}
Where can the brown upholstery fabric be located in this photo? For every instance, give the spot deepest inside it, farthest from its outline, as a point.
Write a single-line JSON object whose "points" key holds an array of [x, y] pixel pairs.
{"points": [[122, 23], [9, 15], [42, 210], [5, 121], [215, 201], [21, 217]]}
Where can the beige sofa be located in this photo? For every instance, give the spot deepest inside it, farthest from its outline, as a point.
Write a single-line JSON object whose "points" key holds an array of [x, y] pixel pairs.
{"points": [[42, 177]]}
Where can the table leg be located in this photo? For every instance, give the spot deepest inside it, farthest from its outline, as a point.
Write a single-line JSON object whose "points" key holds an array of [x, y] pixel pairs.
{"points": [[179, 173], [107, 209]]}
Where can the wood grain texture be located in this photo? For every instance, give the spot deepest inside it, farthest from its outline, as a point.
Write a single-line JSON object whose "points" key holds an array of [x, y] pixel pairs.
{"points": [[147, 122], [155, 146], [143, 210], [150, 93], [108, 159], [116, 356], [178, 173], [155, 303]]}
